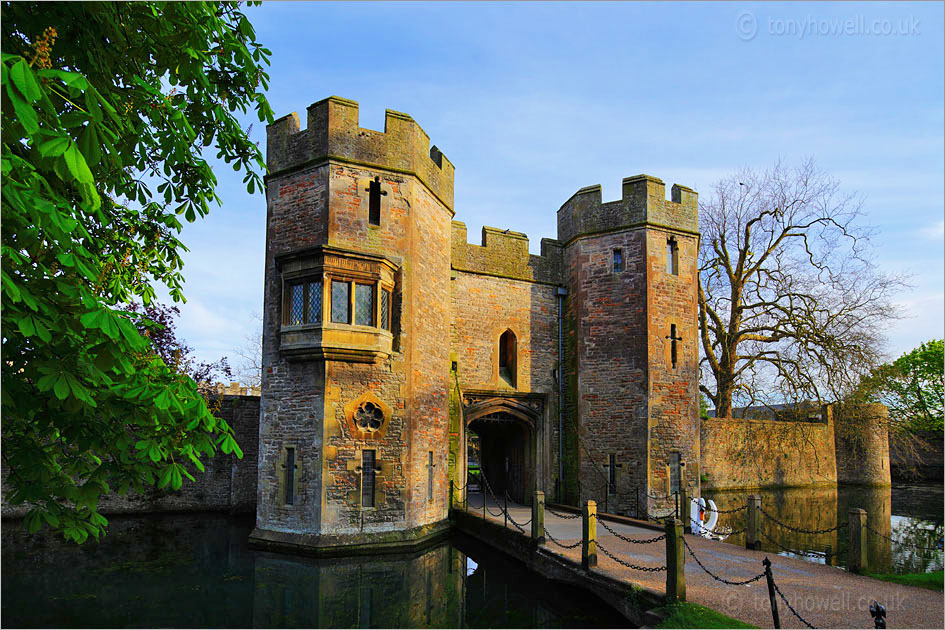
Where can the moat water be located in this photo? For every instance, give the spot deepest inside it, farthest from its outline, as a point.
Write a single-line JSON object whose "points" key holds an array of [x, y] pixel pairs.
{"points": [[187, 571], [909, 514]]}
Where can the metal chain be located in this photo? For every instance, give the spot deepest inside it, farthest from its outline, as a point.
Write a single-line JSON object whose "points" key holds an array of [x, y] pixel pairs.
{"points": [[900, 543], [557, 542], [732, 511], [647, 494], [627, 564], [514, 522], [808, 553], [714, 576], [635, 541], [801, 529], [788, 604], [565, 516], [655, 517], [489, 488]]}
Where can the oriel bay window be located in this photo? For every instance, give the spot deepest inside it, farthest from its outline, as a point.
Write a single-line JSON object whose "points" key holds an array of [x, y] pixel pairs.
{"points": [[337, 304]]}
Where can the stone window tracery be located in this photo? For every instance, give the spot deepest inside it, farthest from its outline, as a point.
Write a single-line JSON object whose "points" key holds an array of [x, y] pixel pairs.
{"points": [[369, 416]]}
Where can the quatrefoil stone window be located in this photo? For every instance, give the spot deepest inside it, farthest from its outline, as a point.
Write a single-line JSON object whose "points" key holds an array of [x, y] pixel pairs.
{"points": [[367, 417]]}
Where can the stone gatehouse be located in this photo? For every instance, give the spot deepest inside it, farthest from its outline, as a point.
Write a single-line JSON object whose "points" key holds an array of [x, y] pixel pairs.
{"points": [[388, 338]]}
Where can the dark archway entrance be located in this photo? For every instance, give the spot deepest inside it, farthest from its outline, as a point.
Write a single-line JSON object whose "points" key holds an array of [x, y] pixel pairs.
{"points": [[506, 430]]}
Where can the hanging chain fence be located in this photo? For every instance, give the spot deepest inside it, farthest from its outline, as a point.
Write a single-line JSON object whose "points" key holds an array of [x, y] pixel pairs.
{"points": [[560, 515], [635, 541], [558, 542], [801, 529], [809, 553], [901, 543], [627, 564], [714, 576], [788, 604]]}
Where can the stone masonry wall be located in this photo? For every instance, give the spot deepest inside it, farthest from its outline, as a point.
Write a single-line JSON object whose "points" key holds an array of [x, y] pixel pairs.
{"points": [[486, 306], [608, 358], [862, 441], [673, 391], [740, 453], [228, 483], [292, 401]]}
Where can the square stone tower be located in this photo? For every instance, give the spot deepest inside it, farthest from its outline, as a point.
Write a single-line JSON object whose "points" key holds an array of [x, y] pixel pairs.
{"points": [[632, 347], [353, 423]]}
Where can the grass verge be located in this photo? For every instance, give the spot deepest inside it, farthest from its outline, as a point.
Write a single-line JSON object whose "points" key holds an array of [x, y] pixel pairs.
{"points": [[687, 615], [932, 581]]}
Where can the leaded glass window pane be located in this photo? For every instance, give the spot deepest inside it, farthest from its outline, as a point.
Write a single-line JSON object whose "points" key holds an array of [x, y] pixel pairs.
{"points": [[385, 310], [364, 304], [315, 302], [340, 302], [296, 305]]}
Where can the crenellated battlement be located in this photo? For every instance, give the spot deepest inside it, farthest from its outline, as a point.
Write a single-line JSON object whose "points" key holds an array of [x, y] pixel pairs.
{"points": [[643, 202], [333, 133], [505, 253]]}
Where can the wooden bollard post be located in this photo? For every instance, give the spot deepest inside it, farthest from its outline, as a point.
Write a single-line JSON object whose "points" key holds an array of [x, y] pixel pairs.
{"points": [[753, 514], [675, 561], [857, 532], [589, 540], [538, 517]]}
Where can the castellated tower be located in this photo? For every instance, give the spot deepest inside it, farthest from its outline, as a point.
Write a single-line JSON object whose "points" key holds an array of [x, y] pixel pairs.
{"points": [[632, 347], [353, 428]]}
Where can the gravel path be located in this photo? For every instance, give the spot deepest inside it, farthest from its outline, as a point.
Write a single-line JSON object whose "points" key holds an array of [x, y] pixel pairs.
{"points": [[827, 597]]}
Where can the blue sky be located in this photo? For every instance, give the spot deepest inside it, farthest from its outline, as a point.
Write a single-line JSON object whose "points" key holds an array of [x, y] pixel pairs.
{"points": [[533, 101]]}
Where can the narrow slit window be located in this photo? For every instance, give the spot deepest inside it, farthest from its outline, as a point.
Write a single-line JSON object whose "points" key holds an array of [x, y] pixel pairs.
{"points": [[368, 471], [385, 310], [672, 344], [340, 302], [290, 476], [374, 201], [430, 476], [364, 304], [507, 352], [618, 260], [612, 474], [674, 472], [672, 257]]}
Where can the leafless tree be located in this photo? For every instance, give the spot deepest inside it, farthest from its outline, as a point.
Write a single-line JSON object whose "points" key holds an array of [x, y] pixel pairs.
{"points": [[791, 307], [249, 368]]}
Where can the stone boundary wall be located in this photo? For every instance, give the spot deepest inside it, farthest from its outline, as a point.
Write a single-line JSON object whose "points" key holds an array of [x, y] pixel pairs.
{"points": [[229, 484], [739, 453]]}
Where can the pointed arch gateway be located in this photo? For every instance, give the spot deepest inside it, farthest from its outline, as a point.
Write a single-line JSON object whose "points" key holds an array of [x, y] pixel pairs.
{"points": [[507, 428]]}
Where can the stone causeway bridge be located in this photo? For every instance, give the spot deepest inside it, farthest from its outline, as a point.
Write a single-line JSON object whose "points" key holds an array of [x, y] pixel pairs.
{"points": [[638, 566]]}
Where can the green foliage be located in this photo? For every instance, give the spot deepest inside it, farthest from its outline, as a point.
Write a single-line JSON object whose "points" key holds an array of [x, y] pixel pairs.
{"points": [[934, 580], [686, 615], [99, 102], [913, 387]]}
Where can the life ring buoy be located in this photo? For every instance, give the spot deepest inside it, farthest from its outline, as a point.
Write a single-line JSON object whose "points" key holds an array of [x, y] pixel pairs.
{"points": [[700, 522]]}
